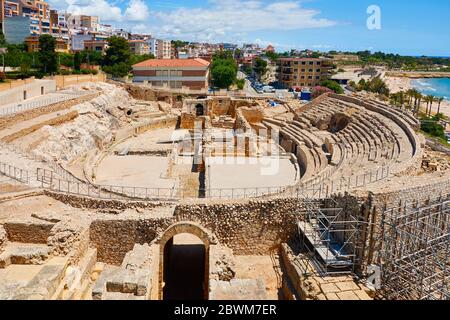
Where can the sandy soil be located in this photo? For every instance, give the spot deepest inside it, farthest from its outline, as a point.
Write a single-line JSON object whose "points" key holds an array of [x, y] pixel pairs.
{"points": [[43, 205], [397, 84], [138, 171], [254, 267]]}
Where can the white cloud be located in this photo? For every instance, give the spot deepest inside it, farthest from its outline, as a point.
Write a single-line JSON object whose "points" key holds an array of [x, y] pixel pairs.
{"points": [[219, 20], [101, 8], [108, 11], [137, 11], [231, 16]]}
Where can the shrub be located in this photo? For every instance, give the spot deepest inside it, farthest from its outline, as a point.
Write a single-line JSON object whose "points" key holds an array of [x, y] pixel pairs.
{"points": [[85, 71]]}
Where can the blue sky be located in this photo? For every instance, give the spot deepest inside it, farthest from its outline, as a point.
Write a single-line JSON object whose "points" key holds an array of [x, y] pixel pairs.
{"points": [[407, 27]]}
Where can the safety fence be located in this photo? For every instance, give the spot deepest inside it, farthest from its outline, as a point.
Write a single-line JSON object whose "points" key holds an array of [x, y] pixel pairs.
{"points": [[50, 181], [14, 173], [42, 102]]}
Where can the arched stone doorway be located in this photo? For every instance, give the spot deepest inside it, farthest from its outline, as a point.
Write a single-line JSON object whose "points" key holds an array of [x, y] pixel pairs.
{"points": [[174, 276], [199, 110]]}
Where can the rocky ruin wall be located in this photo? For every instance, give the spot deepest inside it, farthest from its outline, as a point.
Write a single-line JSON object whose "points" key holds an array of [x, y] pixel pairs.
{"points": [[249, 228]]}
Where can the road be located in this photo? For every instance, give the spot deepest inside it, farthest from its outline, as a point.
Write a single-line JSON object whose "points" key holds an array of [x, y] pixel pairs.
{"points": [[248, 89]]}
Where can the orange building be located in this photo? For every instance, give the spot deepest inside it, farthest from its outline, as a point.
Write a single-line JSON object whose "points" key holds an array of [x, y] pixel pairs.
{"points": [[32, 43]]}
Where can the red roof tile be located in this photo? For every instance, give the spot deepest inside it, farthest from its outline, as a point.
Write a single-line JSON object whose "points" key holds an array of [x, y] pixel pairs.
{"points": [[174, 63]]}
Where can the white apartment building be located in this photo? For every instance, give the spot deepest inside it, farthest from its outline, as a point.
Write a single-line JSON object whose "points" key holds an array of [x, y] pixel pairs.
{"points": [[161, 49]]}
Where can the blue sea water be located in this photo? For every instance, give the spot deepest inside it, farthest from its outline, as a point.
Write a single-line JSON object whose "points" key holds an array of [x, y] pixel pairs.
{"points": [[439, 87]]}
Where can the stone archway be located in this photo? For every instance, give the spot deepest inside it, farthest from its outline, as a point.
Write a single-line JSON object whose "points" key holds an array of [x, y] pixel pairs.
{"points": [[166, 240], [199, 110]]}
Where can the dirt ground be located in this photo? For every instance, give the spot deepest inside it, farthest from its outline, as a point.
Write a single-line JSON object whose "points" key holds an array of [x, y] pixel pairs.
{"points": [[42, 205], [253, 267]]}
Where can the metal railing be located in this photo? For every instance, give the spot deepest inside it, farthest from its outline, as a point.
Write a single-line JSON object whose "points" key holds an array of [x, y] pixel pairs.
{"points": [[324, 189], [15, 173], [30, 105]]}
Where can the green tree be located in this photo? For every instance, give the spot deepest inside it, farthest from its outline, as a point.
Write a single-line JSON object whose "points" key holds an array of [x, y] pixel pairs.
{"points": [[273, 56], [223, 75], [223, 55], [14, 55], [2, 40], [240, 83], [66, 59], [91, 57], [223, 69], [77, 61], [439, 101], [332, 85], [117, 52], [47, 54], [120, 69], [135, 58], [179, 43], [260, 67]]}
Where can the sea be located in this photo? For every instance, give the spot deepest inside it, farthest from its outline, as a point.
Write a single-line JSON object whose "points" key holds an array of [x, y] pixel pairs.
{"points": [[439, 87]]}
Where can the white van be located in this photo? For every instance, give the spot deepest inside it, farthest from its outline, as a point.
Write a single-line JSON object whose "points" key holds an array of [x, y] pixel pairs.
{"points": [[268, 89]]}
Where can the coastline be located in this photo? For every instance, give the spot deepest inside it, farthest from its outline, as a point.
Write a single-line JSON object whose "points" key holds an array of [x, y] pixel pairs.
{"points": [[397, 84], [417, 74]]}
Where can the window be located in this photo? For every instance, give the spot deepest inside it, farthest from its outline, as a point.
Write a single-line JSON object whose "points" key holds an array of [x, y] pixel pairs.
{"points": [[318, 63], [303, 62], [311, 70], [317, 70], [310, 77], [311, 63], [303, 70], [317, 78], [303, 77]]}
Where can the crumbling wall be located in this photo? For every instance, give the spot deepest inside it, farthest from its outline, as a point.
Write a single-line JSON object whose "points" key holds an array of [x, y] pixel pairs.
{"points": [[31, 231], [254, 227], [3, 238]]}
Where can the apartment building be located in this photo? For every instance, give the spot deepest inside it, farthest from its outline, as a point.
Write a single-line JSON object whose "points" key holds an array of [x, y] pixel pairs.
{"points": [[32, 43], [22, 18], [96, 45], [303, 72], [83, 22], [173, 73], [161, 49], [139, 47]]}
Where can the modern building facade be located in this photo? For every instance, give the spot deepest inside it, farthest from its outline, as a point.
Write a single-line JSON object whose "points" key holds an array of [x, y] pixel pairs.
{"points": [[32, 43], [139, 47], [173, 73], [22, 18], [161, 49], [303, 72]]}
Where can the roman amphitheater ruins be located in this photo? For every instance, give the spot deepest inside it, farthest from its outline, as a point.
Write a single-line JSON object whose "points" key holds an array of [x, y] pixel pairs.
{"points": [[119, 191]]}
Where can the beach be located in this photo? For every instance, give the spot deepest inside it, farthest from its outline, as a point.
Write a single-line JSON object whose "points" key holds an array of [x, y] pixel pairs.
{"points": [[397, 84]]}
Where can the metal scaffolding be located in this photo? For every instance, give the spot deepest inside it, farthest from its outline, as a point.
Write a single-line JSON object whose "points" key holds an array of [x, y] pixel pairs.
{"points": [[328, 237], [414, 257]]}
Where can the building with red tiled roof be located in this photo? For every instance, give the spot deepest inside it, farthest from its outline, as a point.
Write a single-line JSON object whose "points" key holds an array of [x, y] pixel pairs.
{"points": [[173, 73]]}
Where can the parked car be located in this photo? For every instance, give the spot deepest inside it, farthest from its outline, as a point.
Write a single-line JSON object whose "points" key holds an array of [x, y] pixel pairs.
{"points": [[269, 89]]}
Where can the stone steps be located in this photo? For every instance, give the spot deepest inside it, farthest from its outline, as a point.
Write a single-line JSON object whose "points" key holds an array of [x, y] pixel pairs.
{"points": [[24, 254]]}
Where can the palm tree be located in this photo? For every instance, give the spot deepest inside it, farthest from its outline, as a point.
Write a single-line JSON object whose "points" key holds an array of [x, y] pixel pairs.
{"points": [[439, 101], [430, 99], [419, 97], [410, 94]]}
